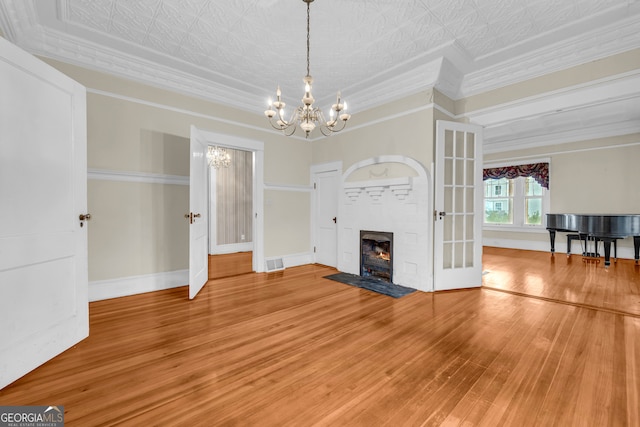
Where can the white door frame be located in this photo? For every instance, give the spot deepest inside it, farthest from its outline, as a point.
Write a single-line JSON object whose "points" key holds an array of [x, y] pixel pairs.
{"points": [[257, 147], [315, 170]]}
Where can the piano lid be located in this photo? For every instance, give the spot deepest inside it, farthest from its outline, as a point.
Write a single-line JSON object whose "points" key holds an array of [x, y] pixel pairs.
{"points": [[603, 225]]}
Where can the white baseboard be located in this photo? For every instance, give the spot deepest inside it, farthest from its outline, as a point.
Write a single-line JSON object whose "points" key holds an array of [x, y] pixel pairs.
{"points": [[624, 252], [292, 260], [132, 285], [528, 245], [295, 260]]}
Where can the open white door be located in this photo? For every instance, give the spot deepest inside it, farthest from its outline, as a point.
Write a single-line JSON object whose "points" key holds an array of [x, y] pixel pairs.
{"points": [[198, 214], [458, 206], [44, 306], [327, 185]]}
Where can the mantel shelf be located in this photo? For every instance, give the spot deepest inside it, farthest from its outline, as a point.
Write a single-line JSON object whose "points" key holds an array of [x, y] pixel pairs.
{"points": [[400, 187]]}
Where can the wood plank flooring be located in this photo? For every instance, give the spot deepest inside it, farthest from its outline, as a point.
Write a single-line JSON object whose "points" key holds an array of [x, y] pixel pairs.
{"points": [[225, 265], [561, 278], [293, 349]]}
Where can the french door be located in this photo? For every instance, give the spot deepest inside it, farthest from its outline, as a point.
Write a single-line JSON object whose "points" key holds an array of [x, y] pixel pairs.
{"points": [[458, 206]]}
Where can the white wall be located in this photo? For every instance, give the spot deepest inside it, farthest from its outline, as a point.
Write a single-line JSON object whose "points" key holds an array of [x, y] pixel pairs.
{"points": [[137, 145], [138, 160], [595, 176]]}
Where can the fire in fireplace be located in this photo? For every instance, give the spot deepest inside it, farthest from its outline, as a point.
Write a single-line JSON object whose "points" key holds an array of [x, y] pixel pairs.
{"points": [[376, 254]]}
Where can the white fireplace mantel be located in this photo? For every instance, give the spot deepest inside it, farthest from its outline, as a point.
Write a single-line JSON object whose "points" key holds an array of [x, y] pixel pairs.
{"points": [[399, 187], [400, 205]]}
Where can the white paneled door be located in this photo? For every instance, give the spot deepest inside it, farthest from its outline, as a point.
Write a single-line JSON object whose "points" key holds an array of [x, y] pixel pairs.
{"points": [[327, 184], [44, 306], [198, 216], [458, 206]]}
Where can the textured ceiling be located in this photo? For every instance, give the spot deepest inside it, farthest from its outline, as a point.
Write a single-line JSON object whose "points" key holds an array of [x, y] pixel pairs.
{"points": [[237, 51]]}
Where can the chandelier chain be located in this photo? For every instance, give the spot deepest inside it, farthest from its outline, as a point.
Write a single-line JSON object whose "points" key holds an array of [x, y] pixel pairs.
{"points": [[308, 36]]}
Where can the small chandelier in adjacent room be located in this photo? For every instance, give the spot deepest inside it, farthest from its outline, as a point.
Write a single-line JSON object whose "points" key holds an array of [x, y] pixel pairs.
{"points": [[307, 116], [218, 157]]}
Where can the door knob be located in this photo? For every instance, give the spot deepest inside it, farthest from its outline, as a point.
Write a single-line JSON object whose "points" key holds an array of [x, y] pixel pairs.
{"points": [[190, 216], [83, 218]]}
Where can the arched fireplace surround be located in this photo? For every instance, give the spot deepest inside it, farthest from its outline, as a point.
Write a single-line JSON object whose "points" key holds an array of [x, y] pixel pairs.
{"points": [[388, 194]]}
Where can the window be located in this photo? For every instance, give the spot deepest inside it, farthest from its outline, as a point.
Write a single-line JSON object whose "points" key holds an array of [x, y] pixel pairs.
{"points": [[514, 197], [533, 201], [498, 207]]}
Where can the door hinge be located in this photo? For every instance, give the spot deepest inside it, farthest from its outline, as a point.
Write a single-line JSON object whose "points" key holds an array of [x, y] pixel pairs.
{"points": [[314, 249], [314, 185]]}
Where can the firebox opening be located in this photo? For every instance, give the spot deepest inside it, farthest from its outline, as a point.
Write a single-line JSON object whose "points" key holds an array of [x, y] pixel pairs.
{"points": [[376, 254]]}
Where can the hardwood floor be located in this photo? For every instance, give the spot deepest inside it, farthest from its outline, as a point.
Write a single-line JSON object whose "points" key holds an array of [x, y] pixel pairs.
{"points": [[292, 348], [568, 279], [225, 265]]}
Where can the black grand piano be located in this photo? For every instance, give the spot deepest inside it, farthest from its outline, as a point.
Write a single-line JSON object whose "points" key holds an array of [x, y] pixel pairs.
{"points": [[594, 228]]}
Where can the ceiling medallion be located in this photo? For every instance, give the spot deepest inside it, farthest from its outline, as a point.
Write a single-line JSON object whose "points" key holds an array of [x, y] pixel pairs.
{"points": [[307, 116]]}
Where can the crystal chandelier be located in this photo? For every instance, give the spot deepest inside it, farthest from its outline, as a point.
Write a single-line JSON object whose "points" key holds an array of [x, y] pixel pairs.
{"points": [[218, 157], [307, 116]]}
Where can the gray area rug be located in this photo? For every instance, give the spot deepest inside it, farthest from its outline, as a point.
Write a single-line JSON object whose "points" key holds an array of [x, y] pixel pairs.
{"points": [[371, 284]]}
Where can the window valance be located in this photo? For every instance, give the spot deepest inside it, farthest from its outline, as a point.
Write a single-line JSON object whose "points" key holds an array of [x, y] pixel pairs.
{"points": [[537, 171]]}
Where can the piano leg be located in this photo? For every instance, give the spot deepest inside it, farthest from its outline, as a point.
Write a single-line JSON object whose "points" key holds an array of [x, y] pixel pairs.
{"points": [[607, 251], [552, 237], [636, 247], [571, 238]]}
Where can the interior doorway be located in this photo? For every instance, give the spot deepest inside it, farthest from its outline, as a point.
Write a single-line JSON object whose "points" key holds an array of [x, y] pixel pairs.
{"points": [[231, 215], [256, 151], [231, 204]]}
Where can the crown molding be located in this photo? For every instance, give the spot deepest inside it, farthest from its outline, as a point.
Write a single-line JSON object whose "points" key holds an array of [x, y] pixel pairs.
{"points": [[574, 135], [449, 68], [597, 44], [608, 89], [79, 52], [18, 19], [587, 100], [449, 79], [23, 30], [420, 78]]}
